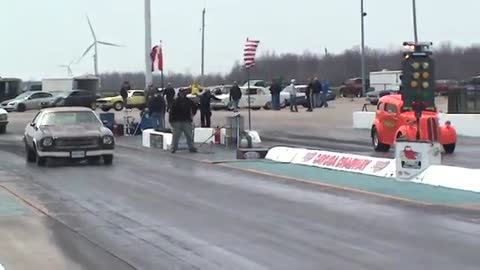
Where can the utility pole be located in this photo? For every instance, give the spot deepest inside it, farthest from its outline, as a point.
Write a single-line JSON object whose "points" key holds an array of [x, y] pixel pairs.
{"points": [[148, 45], [364, 76], [203, 48], [415, 32]]}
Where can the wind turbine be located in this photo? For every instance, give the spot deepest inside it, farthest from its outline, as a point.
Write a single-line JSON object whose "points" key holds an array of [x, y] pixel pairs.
{"points": [[68, 67], [94, 45]]}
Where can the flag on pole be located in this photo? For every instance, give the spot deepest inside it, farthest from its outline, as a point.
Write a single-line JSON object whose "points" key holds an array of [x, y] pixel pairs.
{"points": [[249, 52], [157, 58]]}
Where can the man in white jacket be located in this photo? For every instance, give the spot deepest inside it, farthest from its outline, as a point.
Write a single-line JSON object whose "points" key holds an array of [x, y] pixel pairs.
{"points": [[293, 96]]}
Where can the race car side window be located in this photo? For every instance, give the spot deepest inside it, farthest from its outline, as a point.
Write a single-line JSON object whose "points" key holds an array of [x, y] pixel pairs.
{"points": [[390, 108]]}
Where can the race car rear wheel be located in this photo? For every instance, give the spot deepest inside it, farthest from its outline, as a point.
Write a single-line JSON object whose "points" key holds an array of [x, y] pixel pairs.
{"points": [[377, 145], [449, 148]]}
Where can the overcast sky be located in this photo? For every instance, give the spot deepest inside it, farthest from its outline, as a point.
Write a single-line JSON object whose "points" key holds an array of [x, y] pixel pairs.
{"points": [[38, 35]]}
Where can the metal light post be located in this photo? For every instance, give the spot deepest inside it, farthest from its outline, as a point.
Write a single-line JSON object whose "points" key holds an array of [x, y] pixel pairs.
{"points": [[415, 32], [203, 48], [148, 45], [364, 76]]}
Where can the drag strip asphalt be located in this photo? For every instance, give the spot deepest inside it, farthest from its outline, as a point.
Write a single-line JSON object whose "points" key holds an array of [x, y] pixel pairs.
{"points": [[156, 211]]}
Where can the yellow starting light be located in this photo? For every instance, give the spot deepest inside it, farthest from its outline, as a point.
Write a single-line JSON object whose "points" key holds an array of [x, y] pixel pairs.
{"points": [[425, 65], [416, 75], [425, 85], [416, 65], [414, 84], [426, 75]]}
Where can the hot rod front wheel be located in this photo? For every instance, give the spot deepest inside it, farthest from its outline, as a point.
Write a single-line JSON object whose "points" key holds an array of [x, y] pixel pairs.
{"points": [[377, 145]]}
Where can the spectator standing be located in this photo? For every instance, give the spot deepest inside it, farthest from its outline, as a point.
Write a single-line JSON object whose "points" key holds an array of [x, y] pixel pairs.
{"points": [[205, 108], [156, 109], [325, 89], [235, 96], [309, 95], [181, 117], [292, 90], [124, 92], [317, 93], [169, 93], [275, 90]]}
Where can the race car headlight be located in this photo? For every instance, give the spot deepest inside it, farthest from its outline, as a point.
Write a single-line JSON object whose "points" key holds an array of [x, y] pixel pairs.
{"points": [[107, 140], [12, 103], [47, 142]]}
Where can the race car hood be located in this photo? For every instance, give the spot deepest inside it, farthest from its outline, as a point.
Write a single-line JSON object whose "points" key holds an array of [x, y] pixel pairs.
{"points": [[74, 131]]}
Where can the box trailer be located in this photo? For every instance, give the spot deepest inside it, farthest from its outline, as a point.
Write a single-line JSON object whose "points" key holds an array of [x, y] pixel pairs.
{"points": [[385, 80], [64, 84]]}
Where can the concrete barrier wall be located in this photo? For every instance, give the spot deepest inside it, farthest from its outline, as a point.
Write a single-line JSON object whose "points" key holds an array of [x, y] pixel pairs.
{"points": [[363, 120], [451, 177], [465, 124]]}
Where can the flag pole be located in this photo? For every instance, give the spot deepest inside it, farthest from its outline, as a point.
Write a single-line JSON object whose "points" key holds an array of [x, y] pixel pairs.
{"points": [[249, 107], [161, 70]]}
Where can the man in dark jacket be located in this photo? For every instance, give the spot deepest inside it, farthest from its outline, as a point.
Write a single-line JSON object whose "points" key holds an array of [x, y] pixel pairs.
{"points": [[309, 95], [124, 91], [235, 96], [156, 109], [205, 108], [317, 93], [275, 90], [169, 95], [181, 117]]}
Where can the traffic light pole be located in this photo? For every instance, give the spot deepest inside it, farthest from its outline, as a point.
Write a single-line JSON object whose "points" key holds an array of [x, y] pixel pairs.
{"points": [[364, 76], [415, 32]]}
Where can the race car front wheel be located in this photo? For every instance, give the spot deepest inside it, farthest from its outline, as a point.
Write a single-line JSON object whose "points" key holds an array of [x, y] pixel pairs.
{"points": [[377, 145]]}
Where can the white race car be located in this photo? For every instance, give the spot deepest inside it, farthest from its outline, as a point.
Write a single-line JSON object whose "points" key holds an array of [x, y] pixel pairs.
{"points": [[260, 97], [3, 121]]}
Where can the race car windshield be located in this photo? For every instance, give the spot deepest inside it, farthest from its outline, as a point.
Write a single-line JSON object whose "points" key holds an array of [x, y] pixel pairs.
{"points": [[69, 119]]}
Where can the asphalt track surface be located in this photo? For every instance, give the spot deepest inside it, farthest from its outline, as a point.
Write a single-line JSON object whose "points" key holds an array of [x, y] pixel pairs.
{"points": [[156, 211]]}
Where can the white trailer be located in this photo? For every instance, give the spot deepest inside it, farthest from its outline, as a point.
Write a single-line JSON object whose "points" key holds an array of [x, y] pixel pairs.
{"points": [[65, 84], [385, 80]]}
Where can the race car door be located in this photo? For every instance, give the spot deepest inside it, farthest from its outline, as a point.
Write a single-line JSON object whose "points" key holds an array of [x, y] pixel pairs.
{"points": [[390, 119]]}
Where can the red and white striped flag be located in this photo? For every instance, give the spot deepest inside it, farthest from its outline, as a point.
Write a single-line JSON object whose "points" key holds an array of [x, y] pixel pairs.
{"points": [[157, 58], [249, 52]]}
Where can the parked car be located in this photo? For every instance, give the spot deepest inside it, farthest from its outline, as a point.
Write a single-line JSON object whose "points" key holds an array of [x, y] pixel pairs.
{"points": [[442, 87], [3, 121], [256, 83], [391, 124], [260, 97], [221, 89], [135, 99], [374, 96], [300, 97], [69, 98], [303, 89], [69, 132], [27, 101], [351, 87]]}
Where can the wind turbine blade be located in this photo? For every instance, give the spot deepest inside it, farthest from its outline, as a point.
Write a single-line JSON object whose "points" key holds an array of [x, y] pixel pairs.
{"points": [[87, 50], [109, 44], [91, 29]]}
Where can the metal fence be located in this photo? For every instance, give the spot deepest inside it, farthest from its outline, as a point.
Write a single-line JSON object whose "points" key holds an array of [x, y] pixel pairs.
{"points": [[464, 101]]}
